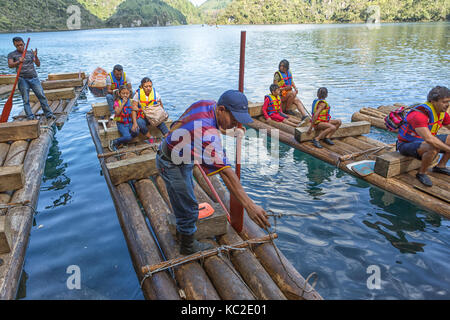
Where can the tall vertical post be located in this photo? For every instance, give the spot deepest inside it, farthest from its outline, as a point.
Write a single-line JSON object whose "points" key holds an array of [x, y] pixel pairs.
{"points": [[236, 209]]}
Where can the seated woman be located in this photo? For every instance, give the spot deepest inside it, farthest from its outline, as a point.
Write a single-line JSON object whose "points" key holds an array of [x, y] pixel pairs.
{"points": [[272, 108], [321, 119], [145, 98], [283, 78], [123, 115]]}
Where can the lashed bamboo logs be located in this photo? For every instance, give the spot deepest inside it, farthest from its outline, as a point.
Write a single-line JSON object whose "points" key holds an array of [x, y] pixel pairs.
{"points": [[161, 287], [288, 279], [20, 218], [143, 247], [222, 273], [190, 277]]}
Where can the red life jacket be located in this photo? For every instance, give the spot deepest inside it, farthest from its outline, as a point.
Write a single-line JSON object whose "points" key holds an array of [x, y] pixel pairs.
{"points": [[125, 116], [406, 133]]}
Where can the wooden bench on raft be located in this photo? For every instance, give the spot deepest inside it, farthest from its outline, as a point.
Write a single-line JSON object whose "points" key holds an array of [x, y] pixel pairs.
{"points": [[101, 111], [12, 177]]}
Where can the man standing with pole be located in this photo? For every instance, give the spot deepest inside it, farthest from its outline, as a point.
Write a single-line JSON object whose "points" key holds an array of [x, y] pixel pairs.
{"points": [[28, 78]]}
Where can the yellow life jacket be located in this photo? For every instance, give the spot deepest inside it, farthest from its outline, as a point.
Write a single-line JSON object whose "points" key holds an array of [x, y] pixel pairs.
{"points": [[116, 84], [324, 115]]}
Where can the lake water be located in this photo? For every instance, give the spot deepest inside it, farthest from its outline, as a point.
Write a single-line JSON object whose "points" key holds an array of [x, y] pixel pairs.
{"points": [[352, 228]]}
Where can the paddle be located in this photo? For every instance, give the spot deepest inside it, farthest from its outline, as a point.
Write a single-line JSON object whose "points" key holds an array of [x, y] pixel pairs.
{"points": [[8, 105]]}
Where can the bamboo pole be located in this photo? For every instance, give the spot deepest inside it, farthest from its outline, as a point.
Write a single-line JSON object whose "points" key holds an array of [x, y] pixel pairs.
{"points": [[279, 125], [282, 272], [191, 277]]}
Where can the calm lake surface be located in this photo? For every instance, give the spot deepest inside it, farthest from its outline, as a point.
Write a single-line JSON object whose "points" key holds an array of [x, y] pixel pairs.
{"points": [[352, 226]]}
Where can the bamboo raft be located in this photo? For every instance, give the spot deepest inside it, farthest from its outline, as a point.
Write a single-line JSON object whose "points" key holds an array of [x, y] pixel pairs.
{"points": [[24, 146], [6, 84], [376, 116], [255, 271], [393, 172]]}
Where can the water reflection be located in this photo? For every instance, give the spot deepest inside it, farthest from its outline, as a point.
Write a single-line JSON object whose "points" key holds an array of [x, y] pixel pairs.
{"points": [[398, 219], [55, 178]]}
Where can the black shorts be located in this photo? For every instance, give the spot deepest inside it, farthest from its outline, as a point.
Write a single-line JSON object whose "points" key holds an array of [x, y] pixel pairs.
{"points": [[410, 148]]}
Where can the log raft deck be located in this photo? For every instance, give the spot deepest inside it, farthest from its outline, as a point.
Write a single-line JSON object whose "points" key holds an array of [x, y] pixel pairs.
{"points": [[393, 172], [142, 204], [24, 147]]}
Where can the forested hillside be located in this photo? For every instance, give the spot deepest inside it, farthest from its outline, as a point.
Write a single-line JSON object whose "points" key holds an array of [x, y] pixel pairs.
{"points": [[28, 15], [140, 13], [31, 15], [329, 11]]}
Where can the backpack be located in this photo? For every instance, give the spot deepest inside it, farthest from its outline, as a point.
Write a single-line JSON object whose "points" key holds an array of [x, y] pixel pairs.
{"points": [[394, 120]]}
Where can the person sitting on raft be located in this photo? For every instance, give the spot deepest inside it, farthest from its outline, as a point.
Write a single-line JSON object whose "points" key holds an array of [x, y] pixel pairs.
{"points": [[321, 119], [272, 108], [114, 81], [418, 136], [126, 121], [283, 78], [146, 97]]}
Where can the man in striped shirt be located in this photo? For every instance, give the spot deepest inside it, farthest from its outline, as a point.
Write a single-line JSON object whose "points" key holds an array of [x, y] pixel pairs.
{"points": [[195, 138]]}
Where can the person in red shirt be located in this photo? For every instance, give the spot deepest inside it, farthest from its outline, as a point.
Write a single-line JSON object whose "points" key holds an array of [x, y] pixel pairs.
{"points": [[418, 136], [272, 108]]}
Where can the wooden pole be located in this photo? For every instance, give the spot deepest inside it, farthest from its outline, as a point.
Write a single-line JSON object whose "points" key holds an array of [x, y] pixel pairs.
{"points": [[236, 208]]}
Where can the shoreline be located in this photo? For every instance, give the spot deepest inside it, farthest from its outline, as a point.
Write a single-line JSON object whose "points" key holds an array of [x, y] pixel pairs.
{"points": [[226, 25]]}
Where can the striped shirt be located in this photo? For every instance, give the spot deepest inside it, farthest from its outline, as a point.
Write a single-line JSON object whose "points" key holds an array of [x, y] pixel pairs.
{"points": [[195, 136]]}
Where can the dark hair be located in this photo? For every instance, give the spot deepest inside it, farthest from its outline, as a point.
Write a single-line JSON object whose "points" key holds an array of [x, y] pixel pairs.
{"points": [[273, 87], [438, 93], [285, 63], [145, 80], [117, 93], [118, 67], [322, 93], [18, 39]]}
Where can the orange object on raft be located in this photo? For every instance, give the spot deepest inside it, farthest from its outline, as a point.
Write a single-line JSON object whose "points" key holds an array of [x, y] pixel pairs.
{"points": [[205, 210], [97, 82]]}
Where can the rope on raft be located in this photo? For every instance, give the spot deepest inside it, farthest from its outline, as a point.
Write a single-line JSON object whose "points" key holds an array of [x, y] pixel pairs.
{"points": [[8, 206], [151, 270]]}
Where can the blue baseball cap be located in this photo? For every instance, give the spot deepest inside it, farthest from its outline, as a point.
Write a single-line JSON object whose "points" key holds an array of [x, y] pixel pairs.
{"points": [[236, 102]]}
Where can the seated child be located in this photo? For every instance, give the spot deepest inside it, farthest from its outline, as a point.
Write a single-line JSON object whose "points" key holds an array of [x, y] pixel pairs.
{"points": [[272, 108], [321, 119], [123, 115]]}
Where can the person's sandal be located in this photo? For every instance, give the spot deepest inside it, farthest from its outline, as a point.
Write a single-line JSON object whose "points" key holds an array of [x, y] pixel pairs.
{"points": [[424, 179], [316, 143], [328, 141], [441, 170]]}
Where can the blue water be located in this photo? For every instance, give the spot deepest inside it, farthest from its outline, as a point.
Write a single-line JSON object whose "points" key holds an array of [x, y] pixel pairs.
{"points": [[349, 225]]}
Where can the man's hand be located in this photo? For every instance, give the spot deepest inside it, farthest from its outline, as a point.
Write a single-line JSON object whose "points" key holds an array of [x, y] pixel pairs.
{"points": [[135, 127], [34, 52], [310, 129], [259, 216]]}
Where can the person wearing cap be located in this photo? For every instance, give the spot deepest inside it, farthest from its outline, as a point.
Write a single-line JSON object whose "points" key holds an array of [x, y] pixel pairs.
{"points": [[196, 138], [28, 78], [114, 81]]}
